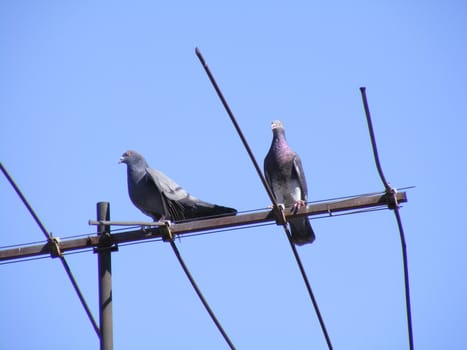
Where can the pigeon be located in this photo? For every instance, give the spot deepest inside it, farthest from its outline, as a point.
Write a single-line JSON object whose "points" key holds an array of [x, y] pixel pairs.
{"points": [[161, 198], [284, 174]]}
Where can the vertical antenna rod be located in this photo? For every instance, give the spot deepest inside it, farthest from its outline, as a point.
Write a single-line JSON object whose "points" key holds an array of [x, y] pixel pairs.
{"points": [[391, 193]]}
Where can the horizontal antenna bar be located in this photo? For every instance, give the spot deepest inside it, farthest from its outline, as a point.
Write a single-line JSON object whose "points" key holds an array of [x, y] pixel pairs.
{"points": [[201, 225]]}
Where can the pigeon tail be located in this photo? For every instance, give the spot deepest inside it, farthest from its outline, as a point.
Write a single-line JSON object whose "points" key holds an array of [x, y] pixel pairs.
{"points": [[212, 210], [301, 231], [200, 210]]}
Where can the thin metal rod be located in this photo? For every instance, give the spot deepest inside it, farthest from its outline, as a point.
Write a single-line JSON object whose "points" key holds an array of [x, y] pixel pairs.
{"points": [[49, 238], [25, 202], [308, 287], [126, 223], [200, 295], [277, 209], [373, 139], [80, 296], [406, 277], [104, 263], [390, 192], [237, 127]]}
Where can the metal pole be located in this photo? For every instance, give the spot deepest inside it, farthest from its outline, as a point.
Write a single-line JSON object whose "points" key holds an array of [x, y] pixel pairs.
{"points": [[105, 278]]}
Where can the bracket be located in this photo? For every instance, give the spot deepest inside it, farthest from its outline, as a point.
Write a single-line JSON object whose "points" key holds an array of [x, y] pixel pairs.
{"points": [[55, 251], [166, 232], [279, 215], [112, 248], [391, 196], [106, 243]]}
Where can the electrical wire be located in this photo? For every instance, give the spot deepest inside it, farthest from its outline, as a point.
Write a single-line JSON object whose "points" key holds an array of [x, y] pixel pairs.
{"points": [[391, 193]]}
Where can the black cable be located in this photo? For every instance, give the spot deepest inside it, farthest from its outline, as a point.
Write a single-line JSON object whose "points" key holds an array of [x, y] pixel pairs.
{"points": [[50, 239], [391, 193], [200, 295], [278, 211]]}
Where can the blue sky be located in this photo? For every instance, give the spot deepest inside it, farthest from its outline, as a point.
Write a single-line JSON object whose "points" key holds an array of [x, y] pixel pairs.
{"points": [[81, 82]]}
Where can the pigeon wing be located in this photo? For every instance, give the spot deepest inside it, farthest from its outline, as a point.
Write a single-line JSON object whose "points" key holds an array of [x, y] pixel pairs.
{"points": [[172, 194], [300, 175], [167, 186], [267, 176], [179, 203]]}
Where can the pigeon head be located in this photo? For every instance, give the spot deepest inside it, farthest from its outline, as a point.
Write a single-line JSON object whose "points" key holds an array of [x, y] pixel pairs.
{"points": [[278, 129], [277, 124], [132, 158]]}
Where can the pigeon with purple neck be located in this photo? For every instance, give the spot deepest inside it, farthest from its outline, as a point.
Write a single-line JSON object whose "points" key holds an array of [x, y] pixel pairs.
{"points": [[284, 173]]}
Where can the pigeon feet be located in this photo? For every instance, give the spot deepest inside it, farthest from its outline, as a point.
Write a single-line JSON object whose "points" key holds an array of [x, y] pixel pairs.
{"points": [[299, 204]]}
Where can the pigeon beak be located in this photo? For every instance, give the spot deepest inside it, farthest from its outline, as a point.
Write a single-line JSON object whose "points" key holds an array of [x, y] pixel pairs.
{"points": [[121, 160]]}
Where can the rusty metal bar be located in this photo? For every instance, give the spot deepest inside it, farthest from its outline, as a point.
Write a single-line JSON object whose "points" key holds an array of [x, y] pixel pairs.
{"points": [[329, 208]]}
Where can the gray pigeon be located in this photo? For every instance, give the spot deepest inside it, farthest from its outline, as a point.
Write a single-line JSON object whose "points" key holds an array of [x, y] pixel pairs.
{"points": [[159, 197], [284, 173]]}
